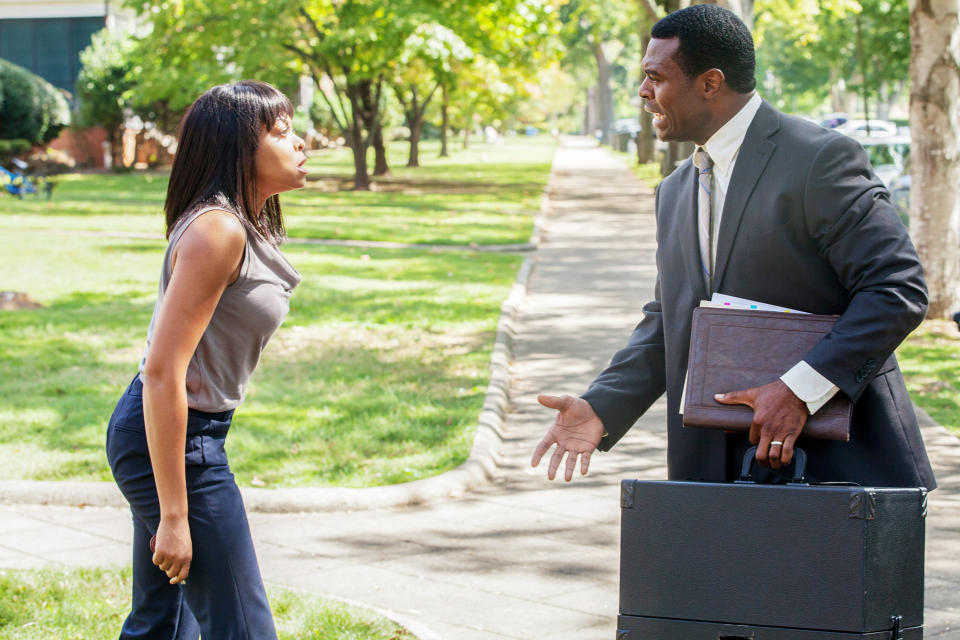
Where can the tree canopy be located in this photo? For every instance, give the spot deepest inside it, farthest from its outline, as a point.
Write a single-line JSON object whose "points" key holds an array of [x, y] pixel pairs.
{"points": [[810, 51]]}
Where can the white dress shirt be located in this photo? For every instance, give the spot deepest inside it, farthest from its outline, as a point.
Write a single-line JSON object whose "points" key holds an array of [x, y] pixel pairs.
{"points": [[723, 148]]}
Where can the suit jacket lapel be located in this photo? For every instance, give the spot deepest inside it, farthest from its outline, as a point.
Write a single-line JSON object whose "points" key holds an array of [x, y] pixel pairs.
{"points": [[755, 153], [689, 240]]}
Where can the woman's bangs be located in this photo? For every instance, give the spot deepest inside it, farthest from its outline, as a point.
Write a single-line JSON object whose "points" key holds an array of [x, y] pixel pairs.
{"points": [[273, 105]]}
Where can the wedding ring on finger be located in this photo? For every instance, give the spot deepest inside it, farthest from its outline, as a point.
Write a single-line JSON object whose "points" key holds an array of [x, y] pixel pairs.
{"points": [[775, 443]]}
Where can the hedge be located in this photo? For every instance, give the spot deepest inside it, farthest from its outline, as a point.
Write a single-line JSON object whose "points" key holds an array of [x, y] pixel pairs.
{"points": [[30, 107]]}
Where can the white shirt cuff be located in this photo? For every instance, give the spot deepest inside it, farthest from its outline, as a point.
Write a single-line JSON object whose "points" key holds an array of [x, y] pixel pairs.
{"points": [[809, 386]]}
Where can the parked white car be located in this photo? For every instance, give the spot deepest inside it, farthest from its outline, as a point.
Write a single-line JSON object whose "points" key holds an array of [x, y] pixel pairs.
{"points": [[888, 155], [858, 128]]}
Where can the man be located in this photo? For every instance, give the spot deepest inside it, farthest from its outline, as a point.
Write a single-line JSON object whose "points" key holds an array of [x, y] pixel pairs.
{"points": [[780, 211]]}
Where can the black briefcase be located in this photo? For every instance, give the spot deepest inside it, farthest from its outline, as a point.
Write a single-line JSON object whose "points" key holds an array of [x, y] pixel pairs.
{"points": [[706, 561]]}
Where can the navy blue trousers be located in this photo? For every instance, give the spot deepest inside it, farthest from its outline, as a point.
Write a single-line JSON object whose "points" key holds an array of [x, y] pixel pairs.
{"points": [[223, 597]]}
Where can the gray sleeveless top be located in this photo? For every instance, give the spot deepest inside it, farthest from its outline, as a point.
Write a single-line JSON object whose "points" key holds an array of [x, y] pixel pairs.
{"points": [[248, 313]]}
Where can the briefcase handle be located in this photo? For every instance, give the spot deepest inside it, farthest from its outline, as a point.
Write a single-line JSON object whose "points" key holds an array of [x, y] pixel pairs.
{"points": [[791, 474]]}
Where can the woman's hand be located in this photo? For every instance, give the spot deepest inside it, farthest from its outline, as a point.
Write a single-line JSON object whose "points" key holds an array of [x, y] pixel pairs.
{"points": [[173, 549]]}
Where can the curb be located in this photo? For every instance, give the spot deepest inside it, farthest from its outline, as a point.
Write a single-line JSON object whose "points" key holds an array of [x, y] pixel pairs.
{"points": [[479, 467]]}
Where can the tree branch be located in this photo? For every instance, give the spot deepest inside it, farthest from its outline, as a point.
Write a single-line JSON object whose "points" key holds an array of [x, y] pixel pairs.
{"points": [[647, 7], [377, 109], [342, 123], [426, 101], [313, 24]]}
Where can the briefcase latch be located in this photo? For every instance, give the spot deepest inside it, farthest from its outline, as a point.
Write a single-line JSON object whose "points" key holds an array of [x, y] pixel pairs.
{"points": [[863, 505], [897, 631]]}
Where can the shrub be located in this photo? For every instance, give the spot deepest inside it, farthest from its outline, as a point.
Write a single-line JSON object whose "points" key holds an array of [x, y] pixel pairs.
{"points": [[30, 107]]}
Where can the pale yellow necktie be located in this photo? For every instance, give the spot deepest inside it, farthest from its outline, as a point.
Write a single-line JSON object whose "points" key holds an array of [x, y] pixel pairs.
{"points": [[704, 165]]}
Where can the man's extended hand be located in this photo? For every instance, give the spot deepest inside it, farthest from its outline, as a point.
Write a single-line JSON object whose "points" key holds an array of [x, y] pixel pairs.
{"points": [[778, 419], [576, 431]]}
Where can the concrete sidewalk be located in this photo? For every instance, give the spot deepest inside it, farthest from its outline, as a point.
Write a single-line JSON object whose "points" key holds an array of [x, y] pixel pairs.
{"points": [[519, 557]]}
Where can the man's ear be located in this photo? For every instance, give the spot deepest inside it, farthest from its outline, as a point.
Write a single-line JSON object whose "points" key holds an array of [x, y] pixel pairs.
{"points": [[711, 81]]}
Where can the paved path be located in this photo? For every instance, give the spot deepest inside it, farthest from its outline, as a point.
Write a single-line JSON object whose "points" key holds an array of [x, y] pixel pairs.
{"points": [[520, 558]]}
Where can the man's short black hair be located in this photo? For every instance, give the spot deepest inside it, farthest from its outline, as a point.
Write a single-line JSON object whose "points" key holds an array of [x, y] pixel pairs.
{"points": [[711, 37]]}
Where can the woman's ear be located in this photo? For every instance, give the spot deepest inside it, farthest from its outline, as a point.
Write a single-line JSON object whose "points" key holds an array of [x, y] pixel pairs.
{"points": [[712, 80]]}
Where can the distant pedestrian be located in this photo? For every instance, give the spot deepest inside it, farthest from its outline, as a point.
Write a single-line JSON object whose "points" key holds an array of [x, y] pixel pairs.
{"points": [[224, 290]]}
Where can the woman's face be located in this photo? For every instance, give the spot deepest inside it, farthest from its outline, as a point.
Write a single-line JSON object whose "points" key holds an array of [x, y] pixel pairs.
{"points": [[280, 160]]}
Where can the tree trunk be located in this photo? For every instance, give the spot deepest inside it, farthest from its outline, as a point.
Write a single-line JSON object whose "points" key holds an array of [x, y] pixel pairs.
{"points": [[380, 166], [591, 121], [355, 138], [445, 121], [116, 148], [889, 94], [743, 8], [361, 179], [466, 137], [676, 153], [415, 129], [864, 89], [413, 113], [369, 114], [746, 7], [604, 94], [935, 164], [645, 139]]}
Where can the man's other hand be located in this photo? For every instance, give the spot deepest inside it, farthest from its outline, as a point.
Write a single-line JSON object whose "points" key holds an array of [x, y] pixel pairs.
{"points": [[778, 419], [576, 431]]}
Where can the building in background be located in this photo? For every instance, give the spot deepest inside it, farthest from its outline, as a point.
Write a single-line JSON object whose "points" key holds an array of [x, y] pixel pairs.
{"points": [[46, 37]]}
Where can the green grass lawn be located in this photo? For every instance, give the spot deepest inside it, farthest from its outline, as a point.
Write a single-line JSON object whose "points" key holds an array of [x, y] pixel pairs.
{"points": [[930, 360], [377, 376], [91, 604], [484, 195]]}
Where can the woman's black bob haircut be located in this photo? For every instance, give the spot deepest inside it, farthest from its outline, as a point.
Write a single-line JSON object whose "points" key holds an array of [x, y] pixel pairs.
{"points": [[216, 154], [711, 37]]}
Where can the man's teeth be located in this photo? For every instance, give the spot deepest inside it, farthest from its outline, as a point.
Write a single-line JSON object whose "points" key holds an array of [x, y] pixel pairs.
{"points": [[658, 116]]}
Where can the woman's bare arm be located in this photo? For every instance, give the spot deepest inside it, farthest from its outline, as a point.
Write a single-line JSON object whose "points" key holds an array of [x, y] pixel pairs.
{"points": [[206, 260]]}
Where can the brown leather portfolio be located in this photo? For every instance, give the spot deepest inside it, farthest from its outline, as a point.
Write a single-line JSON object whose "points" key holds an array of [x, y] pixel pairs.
{"points": [[732, 350]]}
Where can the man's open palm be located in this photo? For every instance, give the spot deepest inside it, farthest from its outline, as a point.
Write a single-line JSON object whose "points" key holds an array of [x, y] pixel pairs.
{"points": [[576, 431]]}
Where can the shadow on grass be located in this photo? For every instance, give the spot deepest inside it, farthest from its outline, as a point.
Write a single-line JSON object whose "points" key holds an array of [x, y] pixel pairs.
{"points": [[396, 184], [135, 247], [345, 413], [377, 377], [58, 382]]}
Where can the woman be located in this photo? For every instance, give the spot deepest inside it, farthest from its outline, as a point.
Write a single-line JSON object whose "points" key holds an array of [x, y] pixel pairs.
{"points": [[224, 290]]}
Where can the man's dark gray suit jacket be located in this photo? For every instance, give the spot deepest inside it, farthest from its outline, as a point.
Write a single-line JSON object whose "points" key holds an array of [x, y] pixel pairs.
{"points": [[806, 224]]}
